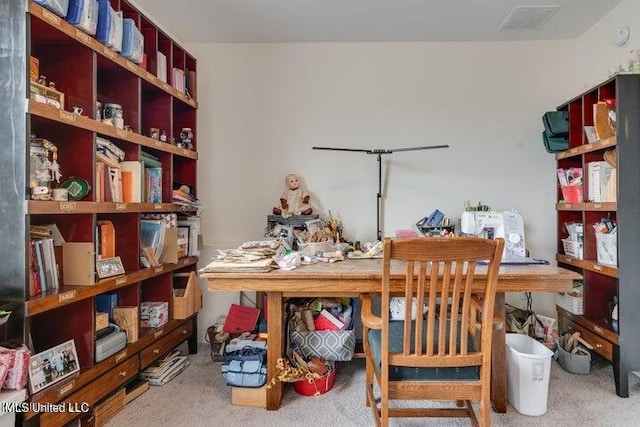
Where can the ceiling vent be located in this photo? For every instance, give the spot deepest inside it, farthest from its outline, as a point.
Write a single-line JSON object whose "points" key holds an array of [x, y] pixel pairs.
{"points": [[527, 17]]}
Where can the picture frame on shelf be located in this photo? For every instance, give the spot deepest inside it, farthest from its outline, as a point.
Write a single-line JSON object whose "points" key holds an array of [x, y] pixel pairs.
{"points": [[109, 267], [53, 365]]}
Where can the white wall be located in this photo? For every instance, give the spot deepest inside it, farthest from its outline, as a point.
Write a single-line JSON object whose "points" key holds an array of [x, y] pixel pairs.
{"points": [[596, 53], [263, 106]]}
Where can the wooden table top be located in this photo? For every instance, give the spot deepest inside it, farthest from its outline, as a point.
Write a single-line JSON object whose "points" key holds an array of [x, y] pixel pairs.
{"points": [[365, 275]]}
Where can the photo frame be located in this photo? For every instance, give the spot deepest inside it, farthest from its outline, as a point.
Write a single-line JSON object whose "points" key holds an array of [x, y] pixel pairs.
{"points": [[53, 365], [109, 267]]}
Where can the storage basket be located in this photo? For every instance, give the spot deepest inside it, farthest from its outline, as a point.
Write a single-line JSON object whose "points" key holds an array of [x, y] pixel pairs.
{"points": [[573, 302], [577, 361], [572, 248]]}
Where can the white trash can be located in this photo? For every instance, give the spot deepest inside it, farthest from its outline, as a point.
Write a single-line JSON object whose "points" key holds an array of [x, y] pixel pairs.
{"points": [[528, 371]]}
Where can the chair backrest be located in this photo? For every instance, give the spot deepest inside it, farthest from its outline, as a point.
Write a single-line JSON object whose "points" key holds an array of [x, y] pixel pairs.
{"points": [[441, 273]]}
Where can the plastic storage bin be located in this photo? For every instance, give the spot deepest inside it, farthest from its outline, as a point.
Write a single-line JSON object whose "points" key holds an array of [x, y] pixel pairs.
{"points": [[59, 7], [84, 15], [106, 27], [528, 371], [572, 248], [132, 41]]}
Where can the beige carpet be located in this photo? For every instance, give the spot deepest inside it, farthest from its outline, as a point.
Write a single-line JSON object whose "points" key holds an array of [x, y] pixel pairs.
{"points": [[199, 397]]}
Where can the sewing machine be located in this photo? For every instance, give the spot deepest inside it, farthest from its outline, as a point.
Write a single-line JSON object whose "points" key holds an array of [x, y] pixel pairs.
{"points": [[490, 225]]}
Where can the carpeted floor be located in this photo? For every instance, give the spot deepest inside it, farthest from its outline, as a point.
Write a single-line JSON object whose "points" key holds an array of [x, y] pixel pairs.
{"points": [[199, 397]]}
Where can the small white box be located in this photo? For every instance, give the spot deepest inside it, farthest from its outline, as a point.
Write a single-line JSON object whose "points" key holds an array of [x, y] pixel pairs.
{"points": [[599, 177]]}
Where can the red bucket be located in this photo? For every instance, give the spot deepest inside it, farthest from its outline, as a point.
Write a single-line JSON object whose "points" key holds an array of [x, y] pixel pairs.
{"points": [[316, 386], [572, 194]]}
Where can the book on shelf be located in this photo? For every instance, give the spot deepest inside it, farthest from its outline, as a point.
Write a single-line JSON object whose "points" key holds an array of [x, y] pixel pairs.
{"points": [[193, 241], [35, 285], [152, 236], [105, 240], [183, 241], [149, 160], [192, 86], [131, 181], [114, 183], [169, 247], [153, 181], [109, 149], [161, 61], [46, 267], [109, 161], [178, 79]]}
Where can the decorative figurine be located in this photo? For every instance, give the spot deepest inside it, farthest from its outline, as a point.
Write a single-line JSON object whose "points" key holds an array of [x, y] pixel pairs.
{"points": [[186, 135], [295, 200]]}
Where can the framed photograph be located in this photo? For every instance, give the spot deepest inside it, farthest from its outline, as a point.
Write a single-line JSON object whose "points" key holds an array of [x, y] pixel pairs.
{"points": [[109, 267], [52, 365]]}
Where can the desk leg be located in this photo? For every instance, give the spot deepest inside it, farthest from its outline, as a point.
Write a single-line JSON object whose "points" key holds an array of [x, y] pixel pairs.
{"points": [[274, 347], [499, 357]]}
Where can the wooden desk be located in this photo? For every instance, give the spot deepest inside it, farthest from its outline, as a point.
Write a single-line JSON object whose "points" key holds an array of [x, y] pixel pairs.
{"points": [[353, 277]]}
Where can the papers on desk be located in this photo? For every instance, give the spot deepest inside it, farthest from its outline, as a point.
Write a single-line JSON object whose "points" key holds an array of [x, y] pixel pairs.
{"points": [[249, 257], [257, 266]]}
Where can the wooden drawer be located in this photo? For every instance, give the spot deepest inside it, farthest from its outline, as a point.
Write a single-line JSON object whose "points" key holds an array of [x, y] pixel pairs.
{"points": [[166, 343], [76, 404], [600, 345]]}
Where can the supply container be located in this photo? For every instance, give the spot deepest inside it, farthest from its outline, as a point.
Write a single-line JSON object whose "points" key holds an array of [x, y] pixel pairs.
{"points": [[572, 193], [59, 7], [316, 386], [528, 371], [578, 361], [572, 248]]}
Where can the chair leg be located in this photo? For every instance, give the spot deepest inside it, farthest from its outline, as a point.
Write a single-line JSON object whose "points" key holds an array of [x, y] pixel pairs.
{"points": [[368, 378], [384, 412], [485, 411]]}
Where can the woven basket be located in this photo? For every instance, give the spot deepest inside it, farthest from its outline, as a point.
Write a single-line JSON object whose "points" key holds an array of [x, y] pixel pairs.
{"points": [[573, 302]]}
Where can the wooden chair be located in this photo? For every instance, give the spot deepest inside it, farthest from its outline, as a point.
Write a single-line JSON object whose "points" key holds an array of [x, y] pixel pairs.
{"points": [[445, 354]]}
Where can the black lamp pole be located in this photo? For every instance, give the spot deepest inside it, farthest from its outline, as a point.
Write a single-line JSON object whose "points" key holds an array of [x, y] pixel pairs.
{"points": [[379, 153]]}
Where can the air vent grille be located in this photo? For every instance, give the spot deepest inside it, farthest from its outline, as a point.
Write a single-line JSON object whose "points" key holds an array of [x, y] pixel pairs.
{"points": [[527, 17]]}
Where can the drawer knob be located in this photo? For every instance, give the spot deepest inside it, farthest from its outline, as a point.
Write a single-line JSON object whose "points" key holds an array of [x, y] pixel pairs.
{"points": [[184, 332], [156, 350], [123, 373], [598, 345]]}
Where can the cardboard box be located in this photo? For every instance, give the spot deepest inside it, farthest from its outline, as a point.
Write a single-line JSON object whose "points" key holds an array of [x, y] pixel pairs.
{"points": [[244, 396], [127, 318], [154, 314], [78, 260], [187, 296]]}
